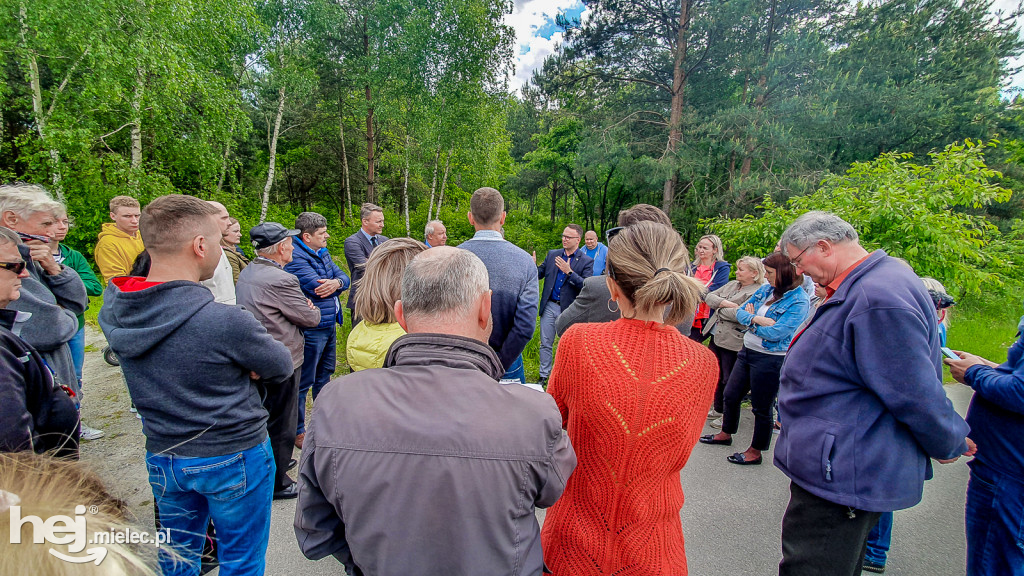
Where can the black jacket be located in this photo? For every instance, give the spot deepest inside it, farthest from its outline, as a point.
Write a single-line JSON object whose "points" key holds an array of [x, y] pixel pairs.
{"points": [[34, 414]]}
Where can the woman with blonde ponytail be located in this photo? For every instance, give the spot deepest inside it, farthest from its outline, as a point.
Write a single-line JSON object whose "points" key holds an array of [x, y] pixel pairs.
{"points": [[633, 395]]}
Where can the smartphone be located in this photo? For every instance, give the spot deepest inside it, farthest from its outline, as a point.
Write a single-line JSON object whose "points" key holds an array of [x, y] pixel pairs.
{"points": [[28, 237], [949, 353]]}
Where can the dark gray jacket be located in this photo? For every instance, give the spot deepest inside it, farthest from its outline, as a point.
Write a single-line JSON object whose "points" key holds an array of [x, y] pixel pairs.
{"points": [[592, 306], [430, 466], [275, 298], [54, 303]]}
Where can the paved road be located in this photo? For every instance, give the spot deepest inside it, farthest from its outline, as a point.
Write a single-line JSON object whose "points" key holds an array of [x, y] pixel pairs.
{"points": [[731, 519]]}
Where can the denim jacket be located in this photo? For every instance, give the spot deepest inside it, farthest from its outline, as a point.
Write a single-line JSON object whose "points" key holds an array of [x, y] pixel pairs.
{"points": [[788, 312]]}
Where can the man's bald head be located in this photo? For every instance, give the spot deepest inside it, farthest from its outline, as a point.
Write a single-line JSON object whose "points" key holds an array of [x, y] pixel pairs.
{"points": [[223, 218]]}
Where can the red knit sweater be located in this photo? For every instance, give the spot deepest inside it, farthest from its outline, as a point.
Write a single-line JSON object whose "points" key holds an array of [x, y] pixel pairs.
{"points": [[634, 397]]}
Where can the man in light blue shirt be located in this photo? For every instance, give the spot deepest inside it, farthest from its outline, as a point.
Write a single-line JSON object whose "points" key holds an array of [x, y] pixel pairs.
{"points": [[596, 250]]}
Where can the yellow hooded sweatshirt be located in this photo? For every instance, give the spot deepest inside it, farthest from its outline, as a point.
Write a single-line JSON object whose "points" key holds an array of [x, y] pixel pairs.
{"points": [[116, 251]]}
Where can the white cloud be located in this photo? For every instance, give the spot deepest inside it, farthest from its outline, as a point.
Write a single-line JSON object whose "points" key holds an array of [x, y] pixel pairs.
{"points": [[527, 17]]}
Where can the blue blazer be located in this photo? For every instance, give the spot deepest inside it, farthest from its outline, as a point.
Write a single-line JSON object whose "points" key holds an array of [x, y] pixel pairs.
{"points": [[582, 267]]}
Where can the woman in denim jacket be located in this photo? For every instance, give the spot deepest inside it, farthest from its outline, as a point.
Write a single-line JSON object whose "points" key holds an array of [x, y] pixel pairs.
{"points": [[772, 316]]}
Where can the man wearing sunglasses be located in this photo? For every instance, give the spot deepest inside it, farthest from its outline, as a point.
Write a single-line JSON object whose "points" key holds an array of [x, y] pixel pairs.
{"points": [[563, 272], [52, 294]]}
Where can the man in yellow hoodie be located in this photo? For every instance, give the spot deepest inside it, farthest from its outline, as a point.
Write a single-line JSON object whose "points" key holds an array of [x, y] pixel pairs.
{"points": [[119, 242]]}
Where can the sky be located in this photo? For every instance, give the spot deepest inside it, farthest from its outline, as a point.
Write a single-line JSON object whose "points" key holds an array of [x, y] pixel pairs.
{"points": [[537, 34]]}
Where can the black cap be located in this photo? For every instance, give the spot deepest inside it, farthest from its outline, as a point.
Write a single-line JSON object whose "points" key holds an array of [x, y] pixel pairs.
{"points": [[269, 233]]}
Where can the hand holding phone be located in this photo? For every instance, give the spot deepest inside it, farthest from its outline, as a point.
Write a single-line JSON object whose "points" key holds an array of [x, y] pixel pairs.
{"points": [[949, 353]]}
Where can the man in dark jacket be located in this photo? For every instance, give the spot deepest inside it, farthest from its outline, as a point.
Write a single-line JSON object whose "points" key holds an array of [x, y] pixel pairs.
{"points": [[188, 362], [861, 399], [358, 247], [276, 300], [446, 478], [34, 413], [563, 272], [322, 282]]}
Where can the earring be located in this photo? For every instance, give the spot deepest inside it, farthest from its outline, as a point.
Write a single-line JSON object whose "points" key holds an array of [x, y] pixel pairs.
{"points": [[610, 302]]}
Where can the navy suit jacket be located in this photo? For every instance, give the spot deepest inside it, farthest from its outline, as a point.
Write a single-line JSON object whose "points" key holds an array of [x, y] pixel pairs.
{"points": [[582, 267], [357, 250]]}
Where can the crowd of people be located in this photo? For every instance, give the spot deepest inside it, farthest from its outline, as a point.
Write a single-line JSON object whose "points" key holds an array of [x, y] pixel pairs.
{"points": [[431, 456]]}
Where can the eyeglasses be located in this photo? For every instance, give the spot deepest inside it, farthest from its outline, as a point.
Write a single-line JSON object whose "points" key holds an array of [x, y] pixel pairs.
{"points": [[16, 267], [796, 261], [564, 237]]}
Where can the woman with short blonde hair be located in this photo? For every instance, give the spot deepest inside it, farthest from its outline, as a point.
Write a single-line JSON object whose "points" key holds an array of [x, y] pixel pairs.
{"points": [[379, 289]]}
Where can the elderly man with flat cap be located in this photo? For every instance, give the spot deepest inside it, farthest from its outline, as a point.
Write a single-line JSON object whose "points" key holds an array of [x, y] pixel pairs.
{"points": [[275, 298]]}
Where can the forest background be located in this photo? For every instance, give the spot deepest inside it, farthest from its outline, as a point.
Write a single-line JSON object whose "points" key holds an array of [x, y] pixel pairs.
{"points": [[732, 115]]}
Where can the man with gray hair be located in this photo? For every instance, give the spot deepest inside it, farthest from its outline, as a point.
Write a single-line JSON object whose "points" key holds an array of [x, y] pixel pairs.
{"points": [[52, 295], [861, 399], [435, 234], [419, 491], [275, 298], [358, 247]]}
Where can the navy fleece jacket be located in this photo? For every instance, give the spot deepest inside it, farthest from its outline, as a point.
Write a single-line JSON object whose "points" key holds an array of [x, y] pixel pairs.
{"points": [[186, 360]]}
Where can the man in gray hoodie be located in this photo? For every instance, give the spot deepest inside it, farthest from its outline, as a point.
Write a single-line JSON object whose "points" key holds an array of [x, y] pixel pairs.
{"points": [[430, 465], [189, 364]]}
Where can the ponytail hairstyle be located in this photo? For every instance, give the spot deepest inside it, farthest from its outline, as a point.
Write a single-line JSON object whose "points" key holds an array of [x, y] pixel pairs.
{"points": [[786, 277], [648, 262]]}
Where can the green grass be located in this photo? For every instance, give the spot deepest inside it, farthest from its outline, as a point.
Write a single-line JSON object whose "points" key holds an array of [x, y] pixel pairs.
{"points": [[985, 325]]}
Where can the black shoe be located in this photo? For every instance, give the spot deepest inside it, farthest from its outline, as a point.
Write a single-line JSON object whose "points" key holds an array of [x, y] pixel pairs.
{"points": [[288, 492], [544, 382], [710, 439], [870, 566], [741, 459], [292, 463]]}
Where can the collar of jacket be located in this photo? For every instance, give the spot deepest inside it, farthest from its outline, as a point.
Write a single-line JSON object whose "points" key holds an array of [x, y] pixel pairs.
{"points": [[7, 318], [318, 253], [844, 289], [444, 350]]}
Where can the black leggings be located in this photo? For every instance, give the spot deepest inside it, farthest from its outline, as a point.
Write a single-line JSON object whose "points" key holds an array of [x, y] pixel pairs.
{"points": [[757, 373], [726, 361]]}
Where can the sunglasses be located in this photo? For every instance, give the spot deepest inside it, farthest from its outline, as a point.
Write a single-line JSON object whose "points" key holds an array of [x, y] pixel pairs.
{"points": [[613, 232], [16, 267]]}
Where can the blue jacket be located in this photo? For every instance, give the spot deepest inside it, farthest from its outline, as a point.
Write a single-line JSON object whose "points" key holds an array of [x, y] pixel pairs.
{"points": [[996, 414], [719, 274], [788, 312], [861, 399], [309, 266]]}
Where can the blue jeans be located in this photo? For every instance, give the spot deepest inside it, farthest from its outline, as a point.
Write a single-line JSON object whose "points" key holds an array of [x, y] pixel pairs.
{"points": [[318, 363], [235, 490], [995, 523], [547, 337], [77, 345], [879, 539], [517, 371]]}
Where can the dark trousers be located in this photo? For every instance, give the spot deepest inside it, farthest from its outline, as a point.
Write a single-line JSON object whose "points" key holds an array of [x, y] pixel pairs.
{"points": [[758, 374], [696, 332], [726, 362], [995, 517], [281, 398], [821, 538], [318, 363]]}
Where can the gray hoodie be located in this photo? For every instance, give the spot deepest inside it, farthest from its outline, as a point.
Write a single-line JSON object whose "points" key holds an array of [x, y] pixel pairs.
{"points": [[186, 360]]}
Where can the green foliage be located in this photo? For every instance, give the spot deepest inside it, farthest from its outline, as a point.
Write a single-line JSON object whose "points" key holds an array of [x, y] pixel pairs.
{"points": [[913, 211]]}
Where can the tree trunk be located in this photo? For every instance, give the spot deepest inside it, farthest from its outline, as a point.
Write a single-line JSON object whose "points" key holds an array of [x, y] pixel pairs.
{"points": [[759, 100], [433, 185], [37, 102], [136, 129], [444, 181], [675, 132], [344, 161], [224, 162], [273, 155], [371, 194], [405, 189], [554, 199]]}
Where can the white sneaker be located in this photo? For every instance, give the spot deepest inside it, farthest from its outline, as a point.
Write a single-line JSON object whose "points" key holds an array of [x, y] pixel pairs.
{"points": [[714, 413], [89, 433], [716, 423]]}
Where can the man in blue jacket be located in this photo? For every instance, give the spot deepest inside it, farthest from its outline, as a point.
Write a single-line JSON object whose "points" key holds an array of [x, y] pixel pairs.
{"points": [[860, 401], [322, 282], [995, 494], [563, 272]]}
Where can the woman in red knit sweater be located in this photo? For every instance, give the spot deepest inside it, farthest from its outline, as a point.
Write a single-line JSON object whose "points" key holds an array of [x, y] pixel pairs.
{"points": [[634, 394]]}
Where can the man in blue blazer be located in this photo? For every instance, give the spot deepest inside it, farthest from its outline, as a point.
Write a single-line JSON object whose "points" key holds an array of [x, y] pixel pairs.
{"points": [[563, 272], [358, 247]]}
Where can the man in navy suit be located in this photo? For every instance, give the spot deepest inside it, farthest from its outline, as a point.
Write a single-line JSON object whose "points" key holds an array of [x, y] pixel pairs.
{"points": [[358, 247], [563, 272]]}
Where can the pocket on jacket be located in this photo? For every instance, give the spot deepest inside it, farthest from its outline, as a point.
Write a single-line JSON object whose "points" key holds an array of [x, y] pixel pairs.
{"points": [[224, 480], [818, 453]]}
